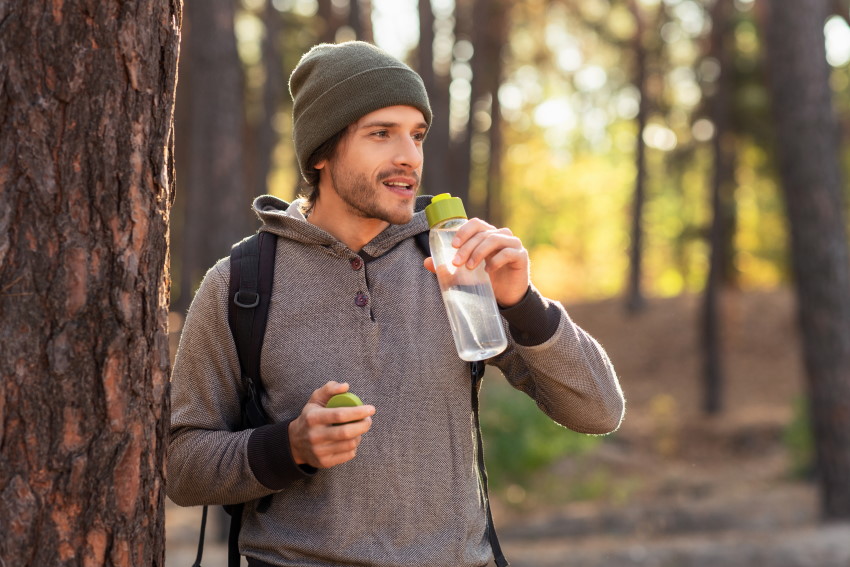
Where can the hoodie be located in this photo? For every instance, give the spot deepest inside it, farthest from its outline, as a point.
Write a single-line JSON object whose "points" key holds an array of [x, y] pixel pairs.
{"points": [[374, 319]]}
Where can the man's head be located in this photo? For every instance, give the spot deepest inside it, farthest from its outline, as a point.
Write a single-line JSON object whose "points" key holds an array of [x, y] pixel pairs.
{"points": [[334, 85]]}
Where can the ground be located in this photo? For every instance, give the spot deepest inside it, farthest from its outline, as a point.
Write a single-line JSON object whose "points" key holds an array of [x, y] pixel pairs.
{"points": [[673, 487]]}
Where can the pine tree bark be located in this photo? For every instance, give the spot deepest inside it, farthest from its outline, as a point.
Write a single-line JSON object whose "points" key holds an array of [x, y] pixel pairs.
{"points": [[86, 170], [807, 145]]}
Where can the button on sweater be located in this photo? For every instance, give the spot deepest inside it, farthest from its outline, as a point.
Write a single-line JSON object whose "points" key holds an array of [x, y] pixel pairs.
{"points": [[411, 496]]}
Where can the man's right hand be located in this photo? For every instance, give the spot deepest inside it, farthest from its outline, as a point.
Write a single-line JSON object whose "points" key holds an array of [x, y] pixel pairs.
{"points": [[314, 439]]}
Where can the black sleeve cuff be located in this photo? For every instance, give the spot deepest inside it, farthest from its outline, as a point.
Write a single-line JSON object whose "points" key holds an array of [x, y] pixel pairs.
{"points": [[270, 459], [534, 320]]}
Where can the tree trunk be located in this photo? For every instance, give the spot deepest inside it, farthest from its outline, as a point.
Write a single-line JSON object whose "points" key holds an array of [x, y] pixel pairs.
{"points": [[497, 26], [360, 19], [86, 183], [722, 188], [329, 22], [435, 177], [273, 92], [634, 296], [807, 144], [217, 199], [460, 154]]}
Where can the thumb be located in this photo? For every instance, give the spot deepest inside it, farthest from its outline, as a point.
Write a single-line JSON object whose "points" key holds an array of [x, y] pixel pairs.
{"points": [[321, 395]]}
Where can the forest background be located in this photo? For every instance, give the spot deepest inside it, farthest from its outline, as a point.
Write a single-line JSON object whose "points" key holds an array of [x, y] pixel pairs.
{"points": [[566, 82], [676, 169], [631, 144]]}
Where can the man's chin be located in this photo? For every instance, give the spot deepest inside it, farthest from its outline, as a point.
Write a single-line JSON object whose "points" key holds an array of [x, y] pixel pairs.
{"points": [[400, 217]]}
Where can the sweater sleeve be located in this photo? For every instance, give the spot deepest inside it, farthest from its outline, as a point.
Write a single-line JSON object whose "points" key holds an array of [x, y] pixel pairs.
{"points": [[564, 369], [209, 462]]}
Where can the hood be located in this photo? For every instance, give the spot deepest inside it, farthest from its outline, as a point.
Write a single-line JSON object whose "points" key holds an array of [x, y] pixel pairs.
{"points": [[286, 220]]}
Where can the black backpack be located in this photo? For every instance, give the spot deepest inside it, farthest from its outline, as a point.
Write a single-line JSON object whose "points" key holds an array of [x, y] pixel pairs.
{"points": [[249, 293]]}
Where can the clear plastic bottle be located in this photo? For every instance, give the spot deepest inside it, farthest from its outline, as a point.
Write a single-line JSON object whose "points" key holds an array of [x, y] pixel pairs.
{"points": [[467, 294]]}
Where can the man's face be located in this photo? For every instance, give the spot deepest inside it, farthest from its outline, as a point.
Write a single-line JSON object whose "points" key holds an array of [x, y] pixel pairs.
{"points": [[377, 166]]}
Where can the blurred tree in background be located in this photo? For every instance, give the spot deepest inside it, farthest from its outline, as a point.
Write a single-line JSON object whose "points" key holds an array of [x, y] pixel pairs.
{"points": [[635, 146], [807, 144]]}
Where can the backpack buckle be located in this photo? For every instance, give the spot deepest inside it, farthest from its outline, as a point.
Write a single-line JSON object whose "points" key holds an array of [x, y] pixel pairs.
{"points": [[246, 299]]}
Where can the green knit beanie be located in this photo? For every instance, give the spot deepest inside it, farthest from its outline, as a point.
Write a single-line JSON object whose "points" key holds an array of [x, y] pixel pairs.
{"points": [[334, 85]]}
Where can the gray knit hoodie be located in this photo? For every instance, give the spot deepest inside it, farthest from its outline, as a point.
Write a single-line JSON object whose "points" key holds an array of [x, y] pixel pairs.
{"points": [[411, 495]]}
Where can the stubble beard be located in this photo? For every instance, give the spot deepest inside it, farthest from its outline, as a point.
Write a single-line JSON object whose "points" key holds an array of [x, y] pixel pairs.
{"points": [[363, 200]]}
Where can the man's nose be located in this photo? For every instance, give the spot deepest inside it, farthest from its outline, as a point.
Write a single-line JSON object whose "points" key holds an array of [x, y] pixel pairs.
{"points": [[409, 154]]}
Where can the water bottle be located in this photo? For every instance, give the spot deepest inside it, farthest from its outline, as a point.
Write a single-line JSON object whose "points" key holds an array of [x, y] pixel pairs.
{"points": [[467, 294]]}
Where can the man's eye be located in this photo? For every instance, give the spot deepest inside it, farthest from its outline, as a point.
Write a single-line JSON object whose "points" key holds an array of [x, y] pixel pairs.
{"points": [[380, 133], [419, 137]]}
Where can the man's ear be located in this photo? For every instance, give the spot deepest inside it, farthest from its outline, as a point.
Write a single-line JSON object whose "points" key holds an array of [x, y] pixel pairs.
{"points": [[321, 164]]}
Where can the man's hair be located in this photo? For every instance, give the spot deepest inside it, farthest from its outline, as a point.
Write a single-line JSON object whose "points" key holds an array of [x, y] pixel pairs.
{"points": [[311, 175]]}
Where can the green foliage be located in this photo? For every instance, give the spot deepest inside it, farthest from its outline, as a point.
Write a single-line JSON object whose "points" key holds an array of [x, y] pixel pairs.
{"points": [[800, 442], [520, 440]]}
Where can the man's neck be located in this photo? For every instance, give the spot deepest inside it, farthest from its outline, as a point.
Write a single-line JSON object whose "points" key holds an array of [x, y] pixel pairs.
{"points": [[335, 217]]}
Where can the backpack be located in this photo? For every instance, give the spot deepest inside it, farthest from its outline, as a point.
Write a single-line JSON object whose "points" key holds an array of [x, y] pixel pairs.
{"points": [[249, 293]]}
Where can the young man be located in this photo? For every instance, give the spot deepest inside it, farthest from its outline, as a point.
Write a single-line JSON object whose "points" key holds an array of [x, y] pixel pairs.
{"points": [[353, 307]]}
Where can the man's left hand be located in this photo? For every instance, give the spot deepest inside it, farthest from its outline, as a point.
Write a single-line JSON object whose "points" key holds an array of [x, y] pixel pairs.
{"points": [[506, 257]]}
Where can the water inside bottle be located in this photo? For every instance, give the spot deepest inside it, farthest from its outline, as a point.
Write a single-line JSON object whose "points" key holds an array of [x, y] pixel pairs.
{"points": [[476, 326]]}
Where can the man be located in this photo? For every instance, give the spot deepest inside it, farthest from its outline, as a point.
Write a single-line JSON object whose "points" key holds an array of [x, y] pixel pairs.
{"points": [[353, 307]]}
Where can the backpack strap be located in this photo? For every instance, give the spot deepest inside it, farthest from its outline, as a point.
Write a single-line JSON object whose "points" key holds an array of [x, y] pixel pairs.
{"points": [[249, 296], [476, 370], [477, 373]]}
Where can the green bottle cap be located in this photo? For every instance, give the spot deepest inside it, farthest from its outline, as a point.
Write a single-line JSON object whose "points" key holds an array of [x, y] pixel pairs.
{"points": [[443, 207]]}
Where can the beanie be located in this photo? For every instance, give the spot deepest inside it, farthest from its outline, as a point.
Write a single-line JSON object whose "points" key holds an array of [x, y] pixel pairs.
{"points": [[334, 85]]}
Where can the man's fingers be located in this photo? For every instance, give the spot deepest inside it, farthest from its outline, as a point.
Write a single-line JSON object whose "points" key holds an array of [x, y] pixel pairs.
{"points": [[321, 395], [429, 265], [505, 257], [484, 245], [334, 445], [465, 232], [322, 417]]}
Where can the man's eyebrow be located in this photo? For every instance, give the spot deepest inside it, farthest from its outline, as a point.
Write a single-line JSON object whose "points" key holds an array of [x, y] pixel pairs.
{"points": [[386, 124]]}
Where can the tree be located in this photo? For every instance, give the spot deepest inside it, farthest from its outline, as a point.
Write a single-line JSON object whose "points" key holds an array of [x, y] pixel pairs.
{"points": [[722, 199], [436, 175], [460, 153], [86, 183], [360, 19], [492, 18], [214, 194], [274, 90], [809, 167], [635, 300]]}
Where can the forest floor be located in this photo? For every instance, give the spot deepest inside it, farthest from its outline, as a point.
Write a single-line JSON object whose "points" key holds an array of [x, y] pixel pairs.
{"points": [[673, 487]]}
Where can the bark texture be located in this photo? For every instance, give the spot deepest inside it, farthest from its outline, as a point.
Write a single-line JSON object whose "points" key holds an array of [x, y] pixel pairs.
{"points": [[807, 144], [86, 99]]}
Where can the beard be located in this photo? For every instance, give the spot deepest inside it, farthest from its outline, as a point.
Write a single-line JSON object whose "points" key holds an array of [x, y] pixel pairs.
{"points": [[364, 200]]}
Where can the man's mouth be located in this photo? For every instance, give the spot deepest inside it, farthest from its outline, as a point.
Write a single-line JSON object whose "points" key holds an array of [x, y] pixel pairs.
{"points": [[401, 183]]}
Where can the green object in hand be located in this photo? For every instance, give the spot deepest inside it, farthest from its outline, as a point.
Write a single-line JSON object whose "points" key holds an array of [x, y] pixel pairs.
{"points": [[346, 400]]}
